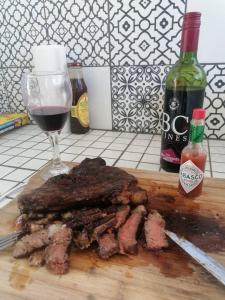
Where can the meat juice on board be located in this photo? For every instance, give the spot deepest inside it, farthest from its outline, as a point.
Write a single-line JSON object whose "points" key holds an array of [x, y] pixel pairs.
{"points": [[185, 90], [193, 158], [79, 115]]}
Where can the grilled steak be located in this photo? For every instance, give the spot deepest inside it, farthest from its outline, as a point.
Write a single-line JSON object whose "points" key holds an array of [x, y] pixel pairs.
{"points": [[57, 259], [31, 242], [154, 231], [127, 233], [37, 259], [89, 184], [108, 245]]}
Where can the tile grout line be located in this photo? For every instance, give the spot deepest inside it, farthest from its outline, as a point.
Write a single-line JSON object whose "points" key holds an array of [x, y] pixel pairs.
{"points": [[127, 146], [145, 151]]}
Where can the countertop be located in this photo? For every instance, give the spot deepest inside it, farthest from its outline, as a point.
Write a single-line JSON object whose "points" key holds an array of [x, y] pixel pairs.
{"points": [[25, 150]]}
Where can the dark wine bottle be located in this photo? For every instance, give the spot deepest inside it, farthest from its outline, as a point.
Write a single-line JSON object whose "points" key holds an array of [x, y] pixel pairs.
{"points": [[185, 90]]}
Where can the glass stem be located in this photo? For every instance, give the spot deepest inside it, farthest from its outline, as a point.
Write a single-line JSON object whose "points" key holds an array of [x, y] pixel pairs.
{"points": [[54, 140]]}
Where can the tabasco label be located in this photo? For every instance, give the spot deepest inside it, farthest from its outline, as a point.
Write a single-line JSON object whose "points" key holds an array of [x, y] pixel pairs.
{"points": [[190, 176]]}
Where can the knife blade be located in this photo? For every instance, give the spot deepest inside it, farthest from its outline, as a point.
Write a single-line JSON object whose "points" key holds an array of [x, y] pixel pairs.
{"points": [[206, 261]]}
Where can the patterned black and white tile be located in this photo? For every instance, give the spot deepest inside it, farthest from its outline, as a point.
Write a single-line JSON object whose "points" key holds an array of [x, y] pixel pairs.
{"points": [[22, 26], [145, 32], [215, 101], [12, 79], [4, 105], [137, 97], [82, 26]]}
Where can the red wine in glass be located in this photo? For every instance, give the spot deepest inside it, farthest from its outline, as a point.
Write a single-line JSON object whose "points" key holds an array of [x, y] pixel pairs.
{"points": [[50, 118]]}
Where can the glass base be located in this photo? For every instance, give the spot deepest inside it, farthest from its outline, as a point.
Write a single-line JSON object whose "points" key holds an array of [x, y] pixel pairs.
{"points": [[55, 170]]}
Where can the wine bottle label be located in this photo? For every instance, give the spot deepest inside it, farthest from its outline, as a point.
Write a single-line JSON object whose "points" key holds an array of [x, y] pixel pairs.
{"points": [[190, 176], [80, 111], [178, 107]]}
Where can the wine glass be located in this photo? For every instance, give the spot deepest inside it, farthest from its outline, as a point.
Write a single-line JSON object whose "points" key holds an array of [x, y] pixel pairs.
{"points": [[48, 98]]}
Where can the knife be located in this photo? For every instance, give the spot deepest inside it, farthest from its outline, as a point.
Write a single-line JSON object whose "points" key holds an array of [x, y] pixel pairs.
{"points": [[206, 261]]}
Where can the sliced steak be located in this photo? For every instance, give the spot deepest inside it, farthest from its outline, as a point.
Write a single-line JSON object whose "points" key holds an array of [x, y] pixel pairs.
{"points": [[57, 259], [108, 245], [121, 215], [31, 242], [127, 233], [37, 259], [89, 184], [101, 226], [88, 216], [154, 231], [92, 231]]}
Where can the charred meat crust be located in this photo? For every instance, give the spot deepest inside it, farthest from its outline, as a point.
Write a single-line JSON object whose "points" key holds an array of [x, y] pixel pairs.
{"points": [[89, 184]]}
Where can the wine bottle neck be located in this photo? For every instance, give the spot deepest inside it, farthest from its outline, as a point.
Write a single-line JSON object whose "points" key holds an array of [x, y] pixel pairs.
{"points": [[188, 57], [190, 37]]}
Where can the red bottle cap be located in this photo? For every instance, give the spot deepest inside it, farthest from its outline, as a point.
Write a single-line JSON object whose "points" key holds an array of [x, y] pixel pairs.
{"points": [[74, 64], [190, 32], [199, 113], [192, 20]]}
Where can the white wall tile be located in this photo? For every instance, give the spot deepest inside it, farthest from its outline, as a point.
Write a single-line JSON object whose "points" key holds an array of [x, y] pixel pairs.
{"points": [[98, 83]]}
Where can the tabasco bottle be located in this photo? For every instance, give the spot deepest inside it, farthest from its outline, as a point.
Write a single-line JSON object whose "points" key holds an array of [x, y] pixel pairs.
{"points": [[79, 114], [185, 90], [193, 157]]}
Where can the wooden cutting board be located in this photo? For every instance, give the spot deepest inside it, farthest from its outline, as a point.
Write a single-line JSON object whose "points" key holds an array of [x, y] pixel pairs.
{"points": [[169, 274]]}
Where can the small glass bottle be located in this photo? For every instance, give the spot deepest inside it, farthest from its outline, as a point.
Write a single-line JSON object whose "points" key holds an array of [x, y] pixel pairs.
{"points": [[193, 157], [79, 114]]}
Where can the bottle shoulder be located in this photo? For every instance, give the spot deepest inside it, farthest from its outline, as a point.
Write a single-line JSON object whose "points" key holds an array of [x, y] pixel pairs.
{"points": [[194, 150], [190, 76]]}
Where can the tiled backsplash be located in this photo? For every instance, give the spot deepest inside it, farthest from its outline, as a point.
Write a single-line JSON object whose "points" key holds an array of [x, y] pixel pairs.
{"points": [[127, 48]]}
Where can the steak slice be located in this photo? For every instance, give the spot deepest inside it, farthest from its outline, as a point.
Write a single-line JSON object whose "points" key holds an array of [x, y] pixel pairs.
{"points": [[89, 184], [34, 241], [127, 233], [108, 245], [154, 231], [121, 215], [37, 259], [57, 259], [31, 242]]}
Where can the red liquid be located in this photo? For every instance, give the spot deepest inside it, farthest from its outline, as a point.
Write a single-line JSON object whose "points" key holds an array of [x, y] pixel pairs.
{"points": [[50, 118]]}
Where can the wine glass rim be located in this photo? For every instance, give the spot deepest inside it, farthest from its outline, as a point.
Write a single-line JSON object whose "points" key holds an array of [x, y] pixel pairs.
{"points": [[46, 73]]}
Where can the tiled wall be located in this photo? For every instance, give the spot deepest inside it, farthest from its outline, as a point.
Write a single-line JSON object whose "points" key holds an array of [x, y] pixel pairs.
{"points": [[127, 48]]}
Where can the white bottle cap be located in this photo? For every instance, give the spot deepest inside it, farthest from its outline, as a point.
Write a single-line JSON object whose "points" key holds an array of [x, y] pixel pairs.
{"points": [[49, 58]]}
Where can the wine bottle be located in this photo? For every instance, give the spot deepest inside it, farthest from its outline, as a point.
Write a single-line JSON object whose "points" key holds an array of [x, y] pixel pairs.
{"points": [[79, 114], [185, 90]]}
